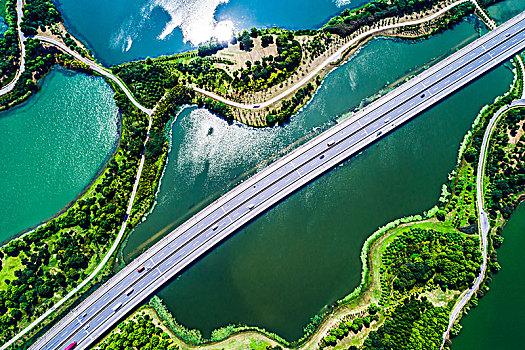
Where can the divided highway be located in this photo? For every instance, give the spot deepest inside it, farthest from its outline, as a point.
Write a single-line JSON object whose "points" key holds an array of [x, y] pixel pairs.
{"points": [[127, 289]]}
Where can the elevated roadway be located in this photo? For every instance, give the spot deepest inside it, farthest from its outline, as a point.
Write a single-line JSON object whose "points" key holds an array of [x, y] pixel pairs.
{"points": [[167, 258]]}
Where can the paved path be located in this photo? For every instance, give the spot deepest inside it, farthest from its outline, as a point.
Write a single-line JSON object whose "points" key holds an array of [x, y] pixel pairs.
{"points": [[21, 42], [97, 68], [104, 261], [483, 220], [334, 58]]}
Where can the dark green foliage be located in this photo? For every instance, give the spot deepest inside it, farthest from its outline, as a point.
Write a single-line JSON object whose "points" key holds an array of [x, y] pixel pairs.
{"points": [[140, 333], [412, 259], [211, 48], [266, 40], [415, 324], [289, 107], [506, 165], [350, 21], [245, 41], [147, 82], [176, 97], [203, 73], [9, 49], [216, 107], [39, 14]]}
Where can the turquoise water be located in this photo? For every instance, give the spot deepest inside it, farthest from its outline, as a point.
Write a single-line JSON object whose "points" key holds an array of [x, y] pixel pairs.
{"points": [[3, 26], [123, 30], [52, 146], [497, 323], [302, 255]]}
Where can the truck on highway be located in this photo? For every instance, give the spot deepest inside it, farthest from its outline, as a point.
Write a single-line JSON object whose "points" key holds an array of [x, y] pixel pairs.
{"points": [[71, 346]]}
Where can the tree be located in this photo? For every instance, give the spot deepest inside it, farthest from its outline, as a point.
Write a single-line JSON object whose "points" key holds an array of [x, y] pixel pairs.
{"points": [[266, 40]]}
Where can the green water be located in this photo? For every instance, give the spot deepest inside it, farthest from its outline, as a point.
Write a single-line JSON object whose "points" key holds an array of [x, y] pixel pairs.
{"points": [[52, 146], [497, 323], [302, 255], [505, 10]]}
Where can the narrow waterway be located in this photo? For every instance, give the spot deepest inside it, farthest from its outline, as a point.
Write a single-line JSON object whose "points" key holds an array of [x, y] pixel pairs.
{"points": [[497, 323], [302, 255], [52, 146], [123, 30]]}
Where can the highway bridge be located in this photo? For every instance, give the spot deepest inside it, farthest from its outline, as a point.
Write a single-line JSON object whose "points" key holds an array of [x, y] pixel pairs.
{"points": [[167, 258]]}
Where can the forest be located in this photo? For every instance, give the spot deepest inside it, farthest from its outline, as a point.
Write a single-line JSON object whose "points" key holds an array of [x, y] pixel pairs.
{"points": [[9, 49], [414, 324], [39, 14], [451, 260], [138, 333]]}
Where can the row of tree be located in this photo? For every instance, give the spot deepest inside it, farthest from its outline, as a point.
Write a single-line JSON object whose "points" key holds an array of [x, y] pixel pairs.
{"points": [[54, 257], [9, 48]]}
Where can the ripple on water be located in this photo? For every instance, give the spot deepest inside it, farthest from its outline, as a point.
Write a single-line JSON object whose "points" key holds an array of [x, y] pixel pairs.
{"points": [[52, 146]]}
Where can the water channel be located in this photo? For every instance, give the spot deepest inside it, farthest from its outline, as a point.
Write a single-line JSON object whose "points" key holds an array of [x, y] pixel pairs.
{"points": [[52, 146], [302, 255], [497, 322]]}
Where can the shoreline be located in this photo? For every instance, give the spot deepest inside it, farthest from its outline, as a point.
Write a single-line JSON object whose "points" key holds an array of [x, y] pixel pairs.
{"points": [[86, 188]]}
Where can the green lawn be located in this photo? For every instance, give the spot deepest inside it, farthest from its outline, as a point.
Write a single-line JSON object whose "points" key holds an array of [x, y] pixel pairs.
{"points": [[9, 266]]}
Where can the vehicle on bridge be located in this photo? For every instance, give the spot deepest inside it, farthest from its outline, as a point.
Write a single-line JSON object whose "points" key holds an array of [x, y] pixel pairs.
{"points": [[71, 346]]}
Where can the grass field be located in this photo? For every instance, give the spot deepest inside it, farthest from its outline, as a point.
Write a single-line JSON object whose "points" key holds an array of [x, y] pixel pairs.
{"points": [[9, 266]]}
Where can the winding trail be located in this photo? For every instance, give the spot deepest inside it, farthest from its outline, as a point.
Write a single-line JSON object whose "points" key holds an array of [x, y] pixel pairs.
{"points": [[21, 39], [104, 261], [97, 68], [483, 221], [483, 218], [332, 59]]}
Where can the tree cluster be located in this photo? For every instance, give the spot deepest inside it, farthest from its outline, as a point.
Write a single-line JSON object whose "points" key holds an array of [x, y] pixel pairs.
{"points": [[452, 260], [350, 21], [415, 324], [39, 14], [270, 71], [139, 333], [506, 165], [147, 81], [9, 49], [289, 107]]}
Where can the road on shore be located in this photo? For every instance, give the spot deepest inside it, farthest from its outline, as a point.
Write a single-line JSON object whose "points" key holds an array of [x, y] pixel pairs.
{"points": [[21, 42], [483, 220], [332, 59], [97, 68], [167, 258]]}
